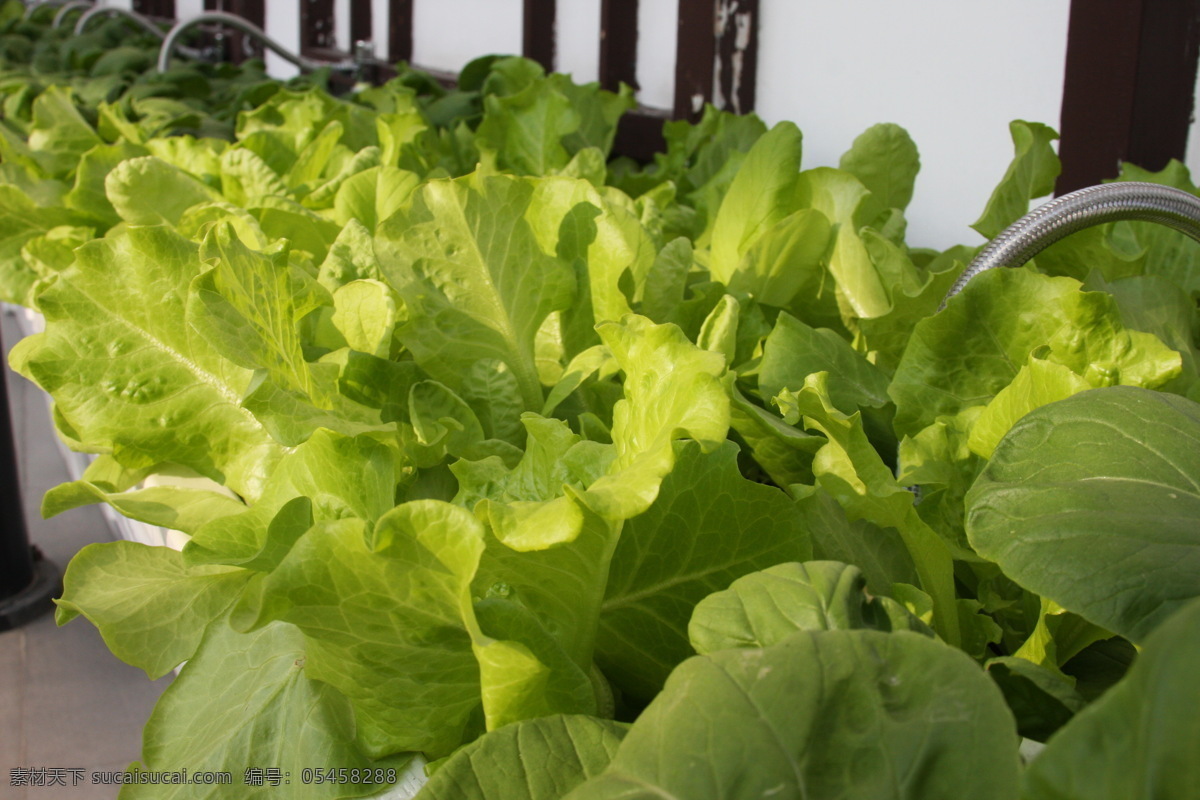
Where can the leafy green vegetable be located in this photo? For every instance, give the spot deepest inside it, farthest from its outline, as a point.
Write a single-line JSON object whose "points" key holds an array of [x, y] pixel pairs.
{"points": [[1139, 739], [820, 714], [1092, 502], [474, 435]]}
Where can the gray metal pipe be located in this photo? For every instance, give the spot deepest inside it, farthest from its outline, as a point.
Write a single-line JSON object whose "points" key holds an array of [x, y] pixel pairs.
{"points": [[111, 11], [238, 23], [1095, 205], [30, 8], [67, 8]]}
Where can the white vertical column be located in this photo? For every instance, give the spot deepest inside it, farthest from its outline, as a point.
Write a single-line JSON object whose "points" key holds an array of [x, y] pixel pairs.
{"points": [[658, 26], [341, 25], [577, 29], [381, 24], [282, 23], [186, 9]]}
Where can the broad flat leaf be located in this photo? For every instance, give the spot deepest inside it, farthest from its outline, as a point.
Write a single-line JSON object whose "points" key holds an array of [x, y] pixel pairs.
{"points": [[887, 336], [1093, 502], [599, 113], [385, 626], [1042, 699], [1141, 738], [246, 307], [672, 389], [181, 509], [1031, 174], [765, 607], [373, 195], [851, 470], [966, 354], [149, 191], [1168, 253], [246, 178], [884, 157], [151, 609], [128, 377], [199, 157], [336, 476], [20, 221], [88, 194], [247, 701], [60, 134], [784, 452], [350, 257], [719, 330], [611, 253], [312, 161], [282, 218], [708, 527], [827, 714], [539, 759], [848, 205], [365, 314], [788, 262], [793, 351], [1036, 384], [475, 279], [879, 552], [761, 195], [524, 131]]}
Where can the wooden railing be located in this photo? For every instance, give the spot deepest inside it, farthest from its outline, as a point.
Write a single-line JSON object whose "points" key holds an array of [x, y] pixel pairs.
{"points": [[1128, 93]]}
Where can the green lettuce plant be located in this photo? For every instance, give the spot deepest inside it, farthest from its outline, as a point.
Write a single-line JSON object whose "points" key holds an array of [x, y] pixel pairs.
{"points": [[580, 478]]}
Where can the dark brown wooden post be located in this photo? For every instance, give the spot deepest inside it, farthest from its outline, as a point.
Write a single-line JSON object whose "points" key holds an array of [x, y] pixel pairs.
{"points": [[162, 9], [538, 36], [316, 28], [1128, 88], [716, 57], [618, 43], [400, 30], [360, 22]]}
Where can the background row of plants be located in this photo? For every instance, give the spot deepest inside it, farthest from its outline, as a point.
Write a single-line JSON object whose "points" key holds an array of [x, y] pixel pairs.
{"points": [[585, 478]]}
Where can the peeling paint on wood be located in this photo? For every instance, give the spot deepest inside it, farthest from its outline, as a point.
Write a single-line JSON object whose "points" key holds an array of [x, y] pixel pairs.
{"points": [[716, 56]]}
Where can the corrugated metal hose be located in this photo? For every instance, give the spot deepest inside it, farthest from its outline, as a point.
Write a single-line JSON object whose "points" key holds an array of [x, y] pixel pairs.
{"points": [[1095, 205]]}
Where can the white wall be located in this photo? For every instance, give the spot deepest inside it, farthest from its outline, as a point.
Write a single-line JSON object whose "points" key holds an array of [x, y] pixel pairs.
{"points": [[379, 27], [281, 20], [186, 9], [1193, 143], [953, 73], [449, 33], [658, 24], [577, 49]]}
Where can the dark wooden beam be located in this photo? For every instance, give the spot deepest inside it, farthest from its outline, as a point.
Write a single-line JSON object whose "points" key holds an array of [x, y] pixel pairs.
{"points": [[618, 43], [716, 56], [360, 22], [1128, 86], [162, 9], [316, 28], [400, 30], [538, 38]]}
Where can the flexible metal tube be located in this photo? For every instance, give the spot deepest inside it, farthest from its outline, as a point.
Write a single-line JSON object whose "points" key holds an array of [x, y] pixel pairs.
{"points": [[1095, 205], [67, 8], [233, 21], [30, 8], [82, 23]]}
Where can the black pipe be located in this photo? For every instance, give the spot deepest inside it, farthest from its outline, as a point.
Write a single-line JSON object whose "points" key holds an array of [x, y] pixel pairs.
{"points": [[27, 580]]}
